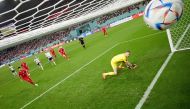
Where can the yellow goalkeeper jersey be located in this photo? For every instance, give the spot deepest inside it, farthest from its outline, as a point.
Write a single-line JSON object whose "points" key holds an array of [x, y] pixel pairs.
{"points": [[119, 58]]}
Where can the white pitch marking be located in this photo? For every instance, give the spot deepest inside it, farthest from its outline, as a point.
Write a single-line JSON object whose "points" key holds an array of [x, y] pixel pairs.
{"points": [[51, 88], [150, 87], [67, 77]]}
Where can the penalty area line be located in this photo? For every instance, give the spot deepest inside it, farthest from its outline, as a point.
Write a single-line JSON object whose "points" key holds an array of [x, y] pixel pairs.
{"points": [[76, 71]]}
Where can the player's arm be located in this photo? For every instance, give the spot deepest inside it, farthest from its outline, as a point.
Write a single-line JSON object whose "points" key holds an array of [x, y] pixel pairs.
{"points": [[27, 73]]}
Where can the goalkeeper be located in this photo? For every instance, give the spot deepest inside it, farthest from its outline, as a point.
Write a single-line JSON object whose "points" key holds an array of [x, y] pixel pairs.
{"points": [[117, 62]]}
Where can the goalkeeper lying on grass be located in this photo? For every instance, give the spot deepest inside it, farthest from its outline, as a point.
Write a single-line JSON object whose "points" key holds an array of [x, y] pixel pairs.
{"points": [[117, 62]]}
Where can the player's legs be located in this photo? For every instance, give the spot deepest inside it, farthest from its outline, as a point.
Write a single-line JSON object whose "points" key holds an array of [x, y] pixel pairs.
{"points": [[40, 65], [29, 80], [14, 73], [52, 60], [105, 33], [120, 65], [83, 45], [114, 66], [65, 56]]}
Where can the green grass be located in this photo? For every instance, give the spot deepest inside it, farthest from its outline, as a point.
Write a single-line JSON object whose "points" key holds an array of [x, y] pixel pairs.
{"points": [[172, 89], [86, 89]]}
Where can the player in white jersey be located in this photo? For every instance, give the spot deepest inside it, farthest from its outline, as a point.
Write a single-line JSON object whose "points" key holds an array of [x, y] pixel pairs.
{"points": [[12, 70], [37, 61], [50, 58]]}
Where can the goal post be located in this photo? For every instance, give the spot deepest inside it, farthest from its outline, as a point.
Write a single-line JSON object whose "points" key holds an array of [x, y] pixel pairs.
{"points": [[179, 34], [170, 40], [181, 43]]}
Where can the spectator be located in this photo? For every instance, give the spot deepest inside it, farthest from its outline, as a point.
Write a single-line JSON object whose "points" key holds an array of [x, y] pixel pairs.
{"points": [[25, 48]]}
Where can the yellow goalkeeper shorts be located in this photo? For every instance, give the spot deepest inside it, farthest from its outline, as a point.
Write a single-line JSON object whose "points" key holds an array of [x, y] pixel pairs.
{"points": [[116, 64]]}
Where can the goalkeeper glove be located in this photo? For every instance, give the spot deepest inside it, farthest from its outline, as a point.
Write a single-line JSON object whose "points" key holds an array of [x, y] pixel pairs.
{"points": [[133, 66]]}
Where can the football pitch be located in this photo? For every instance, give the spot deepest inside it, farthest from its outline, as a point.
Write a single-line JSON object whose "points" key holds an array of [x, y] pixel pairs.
{"points": [[78, 83]]}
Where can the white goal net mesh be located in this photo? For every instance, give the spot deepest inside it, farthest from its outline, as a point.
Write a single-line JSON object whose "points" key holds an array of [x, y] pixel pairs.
{"points": [[180, 33], [28, 15]]}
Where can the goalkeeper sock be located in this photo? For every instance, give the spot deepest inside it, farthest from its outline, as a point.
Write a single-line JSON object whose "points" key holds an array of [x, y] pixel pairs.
{"points": [[106, 74]]}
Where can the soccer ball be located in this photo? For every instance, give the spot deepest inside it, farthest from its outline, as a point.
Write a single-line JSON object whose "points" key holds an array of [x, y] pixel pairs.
{"points": [[161, 14]]}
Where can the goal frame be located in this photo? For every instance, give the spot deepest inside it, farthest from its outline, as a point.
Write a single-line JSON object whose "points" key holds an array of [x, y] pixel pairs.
{"points": [[173, 47]]}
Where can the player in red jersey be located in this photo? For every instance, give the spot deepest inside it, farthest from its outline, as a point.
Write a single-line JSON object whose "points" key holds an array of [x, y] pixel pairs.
{"points": [[23, 74], [104, 30], [52, 52], [24, 66], [63, 53]]}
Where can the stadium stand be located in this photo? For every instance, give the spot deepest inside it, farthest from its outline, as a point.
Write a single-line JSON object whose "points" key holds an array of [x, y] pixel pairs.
{"points": [[104, 18], [35, 45]]}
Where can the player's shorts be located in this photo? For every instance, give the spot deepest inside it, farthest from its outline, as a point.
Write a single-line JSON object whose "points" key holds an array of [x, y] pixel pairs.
{"points": [[116, 64], [50, 59], [14, 72], [82, 42], [38, 63]]}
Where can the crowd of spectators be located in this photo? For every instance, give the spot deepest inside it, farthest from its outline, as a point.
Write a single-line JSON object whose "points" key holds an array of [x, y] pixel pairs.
{"points": [[25, 48], [106, 17], [34, 44]]}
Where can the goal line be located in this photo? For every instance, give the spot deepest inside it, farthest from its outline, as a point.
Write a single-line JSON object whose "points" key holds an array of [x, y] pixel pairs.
{"points": [[160, 71]]}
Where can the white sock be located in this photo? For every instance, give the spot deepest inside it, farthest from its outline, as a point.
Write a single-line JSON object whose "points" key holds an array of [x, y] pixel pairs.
{"points": [[42, 67]]}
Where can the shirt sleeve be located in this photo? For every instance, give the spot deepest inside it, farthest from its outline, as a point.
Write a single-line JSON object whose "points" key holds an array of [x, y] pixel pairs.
{"points": [[125, 59]]}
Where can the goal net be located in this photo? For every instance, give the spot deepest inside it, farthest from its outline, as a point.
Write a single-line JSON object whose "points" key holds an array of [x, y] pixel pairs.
{"points": [[179, 35], [29, 19]]}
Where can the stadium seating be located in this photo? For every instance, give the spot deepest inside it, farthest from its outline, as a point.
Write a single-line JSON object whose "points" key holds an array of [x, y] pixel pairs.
{"points": [[28, 48]]}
